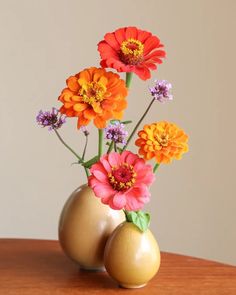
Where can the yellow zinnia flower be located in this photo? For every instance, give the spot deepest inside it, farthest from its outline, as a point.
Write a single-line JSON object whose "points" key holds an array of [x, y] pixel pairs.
{"points": [[163, 141]]}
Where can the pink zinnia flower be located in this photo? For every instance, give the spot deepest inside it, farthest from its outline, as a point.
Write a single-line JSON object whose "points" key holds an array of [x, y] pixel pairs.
{"points": [[122, 180]]}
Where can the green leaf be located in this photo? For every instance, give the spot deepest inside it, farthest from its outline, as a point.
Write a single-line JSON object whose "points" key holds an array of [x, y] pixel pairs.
{"points": [[89, 163], [114, 121], [139, 218], [126, 122]]}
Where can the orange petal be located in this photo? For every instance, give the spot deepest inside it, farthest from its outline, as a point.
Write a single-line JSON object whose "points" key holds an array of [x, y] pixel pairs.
{"points": [[97, 108], [85, 75], [72, 83], [79, 107], [89, 114], [118, 115], [82, 122], [99, 122]]}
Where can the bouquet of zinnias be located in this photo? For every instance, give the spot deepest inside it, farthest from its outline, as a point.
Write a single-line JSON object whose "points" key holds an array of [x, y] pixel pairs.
{"points": [[118, 177]]}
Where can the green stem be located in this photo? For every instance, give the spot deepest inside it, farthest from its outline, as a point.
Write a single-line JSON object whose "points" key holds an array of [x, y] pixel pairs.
{"points": [[85, 147], [80, 160], [156, 167], [111, 145], [68, 147], [83, 156], [100, 142], [126, 214], [128, 79], [137, 125], [115, 147], [87, 172]]}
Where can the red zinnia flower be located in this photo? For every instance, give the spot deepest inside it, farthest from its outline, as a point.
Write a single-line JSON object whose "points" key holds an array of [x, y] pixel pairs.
{"points": [[131, 50]]}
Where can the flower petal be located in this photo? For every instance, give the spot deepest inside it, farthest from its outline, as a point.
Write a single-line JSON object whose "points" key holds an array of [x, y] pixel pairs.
{"points": [[118, 201], [114, 159]]}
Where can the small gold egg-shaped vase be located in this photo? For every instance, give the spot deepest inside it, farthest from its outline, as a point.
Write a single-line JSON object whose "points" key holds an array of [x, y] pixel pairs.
{"points": [[84, 227], [131, 257]]}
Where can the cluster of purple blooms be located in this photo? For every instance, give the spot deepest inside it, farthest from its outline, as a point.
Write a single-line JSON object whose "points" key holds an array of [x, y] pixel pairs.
{"points": [[116, 132], [51, 119], [161, 91]]}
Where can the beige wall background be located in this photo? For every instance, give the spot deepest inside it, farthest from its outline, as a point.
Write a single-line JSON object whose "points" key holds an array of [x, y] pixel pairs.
{"points": [[43, 42]]}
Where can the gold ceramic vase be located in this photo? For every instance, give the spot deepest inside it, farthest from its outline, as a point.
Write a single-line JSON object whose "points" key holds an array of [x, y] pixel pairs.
{"points": [[131, 257], [84, 227]]}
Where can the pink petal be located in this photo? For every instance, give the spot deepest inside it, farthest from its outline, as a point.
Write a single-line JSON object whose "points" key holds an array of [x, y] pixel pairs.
{"points": [[106, 164], [140, 190], [100, 175], [124, 155], [131, 158], [133, 204], [114, 159], [103, 191], [139, 164], [92, 181], [119, 201], [97, 166]]}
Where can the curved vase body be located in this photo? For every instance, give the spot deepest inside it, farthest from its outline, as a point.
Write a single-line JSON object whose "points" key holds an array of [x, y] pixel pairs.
{"points": [[131, 257], [84, 227]]}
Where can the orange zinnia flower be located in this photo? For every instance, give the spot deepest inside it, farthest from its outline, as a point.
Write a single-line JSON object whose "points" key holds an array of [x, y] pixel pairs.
{"points": [[94, 94], [131, 50], [163, 141]]}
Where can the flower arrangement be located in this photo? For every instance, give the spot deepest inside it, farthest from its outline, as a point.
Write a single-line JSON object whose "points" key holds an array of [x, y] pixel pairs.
{"points": [[95, 96]]}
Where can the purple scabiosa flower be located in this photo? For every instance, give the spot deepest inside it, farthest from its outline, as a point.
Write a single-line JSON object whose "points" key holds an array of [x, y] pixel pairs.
{"points": [[161, 91], [51, 119], [116, 132]]}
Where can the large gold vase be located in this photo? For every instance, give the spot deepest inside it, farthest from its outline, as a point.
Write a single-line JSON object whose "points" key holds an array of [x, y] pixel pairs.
{"points": [[84, 227]]}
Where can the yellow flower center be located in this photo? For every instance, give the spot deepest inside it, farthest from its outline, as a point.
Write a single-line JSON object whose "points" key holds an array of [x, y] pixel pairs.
{"points": [[162, 139], [122, 177], [93, 92], [131, 51]]}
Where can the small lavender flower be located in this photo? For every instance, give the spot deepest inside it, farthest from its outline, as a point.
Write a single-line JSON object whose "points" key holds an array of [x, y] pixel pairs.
{"points": [[161, 91], [116, 133], [50, 119], [84, 130]]}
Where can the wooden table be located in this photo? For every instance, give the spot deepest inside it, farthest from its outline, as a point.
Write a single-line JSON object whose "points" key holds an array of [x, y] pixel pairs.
{"points": [[39, 267]]}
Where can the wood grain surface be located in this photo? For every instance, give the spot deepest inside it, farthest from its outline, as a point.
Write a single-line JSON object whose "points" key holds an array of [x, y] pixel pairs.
{"points": [[39, 267]]}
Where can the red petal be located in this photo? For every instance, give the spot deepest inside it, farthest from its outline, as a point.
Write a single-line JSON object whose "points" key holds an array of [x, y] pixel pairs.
{"points": [[111, 40], [106, 50], [155, 55], [131, 32], [150, 44], [103, 64], [143, 72], [143, 35], [120, 35], [150, 65]]}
